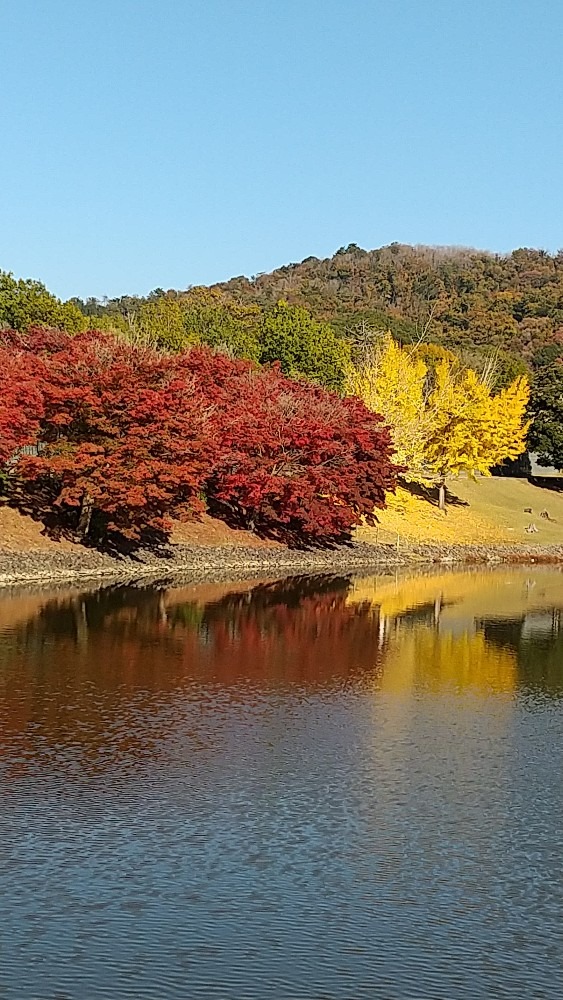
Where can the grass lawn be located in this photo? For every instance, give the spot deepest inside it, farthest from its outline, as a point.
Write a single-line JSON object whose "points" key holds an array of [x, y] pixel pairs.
{"points": [[487, 510]]}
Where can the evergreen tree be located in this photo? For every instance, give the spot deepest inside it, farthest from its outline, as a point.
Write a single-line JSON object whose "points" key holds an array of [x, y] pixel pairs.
{"points": [[546, 405]]}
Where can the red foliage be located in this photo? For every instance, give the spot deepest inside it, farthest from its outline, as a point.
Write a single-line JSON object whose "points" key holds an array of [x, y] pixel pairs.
{"points": [[36, 341], [21, 403], [124, 442], [295, 462], [130, 437]]}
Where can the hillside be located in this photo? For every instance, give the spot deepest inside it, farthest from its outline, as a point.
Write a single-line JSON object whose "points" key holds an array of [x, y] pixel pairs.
{"points": [[455, 296], [466, 299]]}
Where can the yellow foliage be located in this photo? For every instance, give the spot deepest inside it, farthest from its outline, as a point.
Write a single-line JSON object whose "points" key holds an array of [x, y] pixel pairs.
{"points": [[443, 422], [474, 430], [509, 410], [462, 594], [437, 660], [393, 384]]}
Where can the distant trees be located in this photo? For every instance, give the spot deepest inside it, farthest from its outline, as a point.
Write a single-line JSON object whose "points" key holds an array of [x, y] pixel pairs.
{"points": [[281, 332], [200, 316], [287, 334], [464, 299], [459, 297], [25, 303], [213, 320], [303, 346], [130, 437], [159, 322]]}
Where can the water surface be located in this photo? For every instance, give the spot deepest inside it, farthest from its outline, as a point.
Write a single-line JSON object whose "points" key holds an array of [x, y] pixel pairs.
{"points": [[317, 789]]}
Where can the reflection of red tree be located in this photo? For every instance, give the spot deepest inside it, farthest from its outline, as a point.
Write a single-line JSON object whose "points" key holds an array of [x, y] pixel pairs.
{"points": [[318, 641], [84, 671]]}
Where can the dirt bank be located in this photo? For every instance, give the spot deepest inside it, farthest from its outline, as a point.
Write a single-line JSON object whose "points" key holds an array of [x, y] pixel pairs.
{"points": [[209, 550], [221, 561]]}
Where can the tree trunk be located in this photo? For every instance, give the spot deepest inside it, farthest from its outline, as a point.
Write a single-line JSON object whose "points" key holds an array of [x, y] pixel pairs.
{"points": [[442, 496], [80, 623], [85, 516]]}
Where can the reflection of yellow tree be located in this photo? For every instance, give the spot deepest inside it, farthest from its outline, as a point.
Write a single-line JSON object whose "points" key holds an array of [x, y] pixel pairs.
{"points": [[502, 592], [396, 596], [429, 658]]}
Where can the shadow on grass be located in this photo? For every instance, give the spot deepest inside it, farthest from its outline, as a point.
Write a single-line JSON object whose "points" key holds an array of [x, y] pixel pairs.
{"points": [[432, 495], [548, 483]]}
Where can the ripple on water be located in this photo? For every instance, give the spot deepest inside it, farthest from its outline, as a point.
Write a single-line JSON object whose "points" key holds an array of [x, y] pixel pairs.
{"points": [[283, 792]]}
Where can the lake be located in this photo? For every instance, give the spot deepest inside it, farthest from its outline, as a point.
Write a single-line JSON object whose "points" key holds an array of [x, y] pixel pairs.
{"points": [[323, 788]]}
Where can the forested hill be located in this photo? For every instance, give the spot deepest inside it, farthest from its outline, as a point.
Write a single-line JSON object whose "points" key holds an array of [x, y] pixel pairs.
{"points": [[455, 296], [468, 300]]}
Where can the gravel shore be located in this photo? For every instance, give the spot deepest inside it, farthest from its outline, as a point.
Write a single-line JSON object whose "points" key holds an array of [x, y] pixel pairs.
{"points": [[220, 562]]}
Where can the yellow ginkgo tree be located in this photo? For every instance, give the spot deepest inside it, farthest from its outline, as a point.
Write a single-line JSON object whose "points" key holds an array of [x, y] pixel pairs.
{"points": [[444, 422], [393, 382], [473, 430]]}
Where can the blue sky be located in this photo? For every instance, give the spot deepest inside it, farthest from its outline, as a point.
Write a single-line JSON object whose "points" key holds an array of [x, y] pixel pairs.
{"points": [[165, 143]]}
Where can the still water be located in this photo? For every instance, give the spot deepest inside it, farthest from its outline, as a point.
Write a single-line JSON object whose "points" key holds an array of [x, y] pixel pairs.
{"points": [[317, 789]]}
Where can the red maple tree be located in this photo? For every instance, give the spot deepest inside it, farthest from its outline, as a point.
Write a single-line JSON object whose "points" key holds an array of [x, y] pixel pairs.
{"points": [[130, 438], [125, 442], [295, 462]]}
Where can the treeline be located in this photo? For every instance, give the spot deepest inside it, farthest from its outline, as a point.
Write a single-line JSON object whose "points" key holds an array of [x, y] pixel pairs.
{"points": [[463, 299], [174, 321], [460, 298], [485, 307]]}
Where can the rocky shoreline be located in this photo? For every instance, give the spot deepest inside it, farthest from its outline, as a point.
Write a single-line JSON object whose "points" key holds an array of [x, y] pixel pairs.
{"points": [[225, 561]]}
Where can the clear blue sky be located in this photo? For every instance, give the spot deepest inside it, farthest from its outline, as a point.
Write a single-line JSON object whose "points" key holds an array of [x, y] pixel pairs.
{"points": [[164, 143]]}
